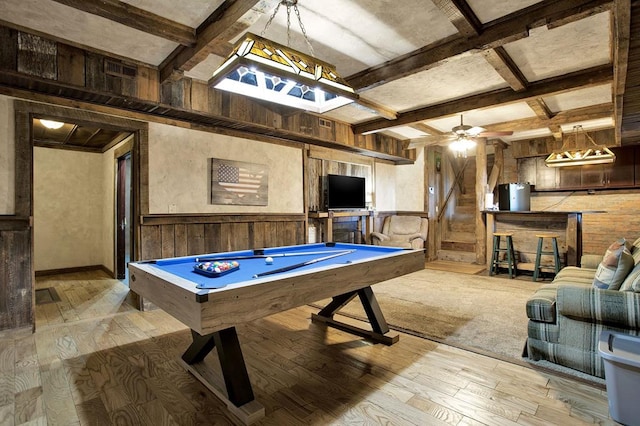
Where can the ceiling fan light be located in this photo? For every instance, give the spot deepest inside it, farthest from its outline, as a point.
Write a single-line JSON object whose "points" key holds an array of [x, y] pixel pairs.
{"points": [[462, 145], [50, 124]]}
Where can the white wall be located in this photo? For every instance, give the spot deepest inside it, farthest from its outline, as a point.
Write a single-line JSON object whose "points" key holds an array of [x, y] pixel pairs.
{"points": [[7, 158], [400, 188], [69, 208], [179, 171]]}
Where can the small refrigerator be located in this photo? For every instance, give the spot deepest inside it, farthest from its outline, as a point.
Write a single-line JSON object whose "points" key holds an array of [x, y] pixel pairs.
{"points": [[515, 197]]}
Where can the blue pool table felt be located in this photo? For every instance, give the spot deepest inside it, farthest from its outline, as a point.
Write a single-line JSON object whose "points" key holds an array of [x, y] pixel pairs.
{"points": [[183, 266]]}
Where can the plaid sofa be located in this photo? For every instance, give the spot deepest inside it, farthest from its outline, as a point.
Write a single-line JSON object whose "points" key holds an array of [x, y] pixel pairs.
{"points": [[567, 316]]}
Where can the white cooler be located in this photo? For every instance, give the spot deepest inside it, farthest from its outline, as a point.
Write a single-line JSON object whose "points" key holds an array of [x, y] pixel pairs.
{"points": [[621, 355]]}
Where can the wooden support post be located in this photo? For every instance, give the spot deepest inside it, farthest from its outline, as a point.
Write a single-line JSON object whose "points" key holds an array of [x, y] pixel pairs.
{"points": [[481, 189]]}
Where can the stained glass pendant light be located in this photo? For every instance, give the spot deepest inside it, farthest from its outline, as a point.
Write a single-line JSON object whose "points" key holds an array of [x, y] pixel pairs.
{"points": [[266, 70]]}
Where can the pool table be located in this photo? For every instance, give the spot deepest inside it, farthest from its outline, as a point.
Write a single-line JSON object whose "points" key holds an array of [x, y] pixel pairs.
{"points": [[213, 303]]}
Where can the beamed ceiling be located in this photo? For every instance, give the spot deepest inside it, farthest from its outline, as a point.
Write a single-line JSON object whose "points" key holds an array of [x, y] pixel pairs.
{"points": [[536, 68]]}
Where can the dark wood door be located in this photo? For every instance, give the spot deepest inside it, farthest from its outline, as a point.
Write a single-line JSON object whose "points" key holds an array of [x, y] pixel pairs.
{"points": [[123, 215], [593, 176], [570, 177], [545, 176], [622, 173]]}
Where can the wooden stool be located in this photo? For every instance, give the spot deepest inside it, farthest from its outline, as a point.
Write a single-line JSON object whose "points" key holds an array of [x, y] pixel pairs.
{"points": [[509, 252], [540, 253]]}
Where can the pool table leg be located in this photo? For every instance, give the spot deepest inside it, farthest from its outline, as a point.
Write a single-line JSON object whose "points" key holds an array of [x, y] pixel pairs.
{"points": [[379, 329], [234, 370]]}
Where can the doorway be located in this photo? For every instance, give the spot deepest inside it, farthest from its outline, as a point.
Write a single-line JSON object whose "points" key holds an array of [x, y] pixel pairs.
{"points": [[22, 314]]}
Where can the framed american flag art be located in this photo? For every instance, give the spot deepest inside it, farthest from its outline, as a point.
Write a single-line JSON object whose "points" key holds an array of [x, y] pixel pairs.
{"points": [[239, 183]]}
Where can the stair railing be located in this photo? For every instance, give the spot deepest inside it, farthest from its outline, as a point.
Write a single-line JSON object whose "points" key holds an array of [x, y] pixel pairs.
{"points": [[457, 181]]}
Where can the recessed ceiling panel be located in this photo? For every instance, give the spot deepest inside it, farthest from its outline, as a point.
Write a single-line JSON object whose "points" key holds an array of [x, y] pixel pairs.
{"points": [[204, 70], [462, 76], [405, 132], [528, 134], [190, 12], [602, 123], [352, 113], [356, 35], [579, 98], [489, 10], [571, 47], [484, 117], [86, 29]]}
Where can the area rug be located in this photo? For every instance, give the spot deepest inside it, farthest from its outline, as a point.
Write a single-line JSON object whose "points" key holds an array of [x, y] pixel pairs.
{"points": [[479, 313], [485, 313]]}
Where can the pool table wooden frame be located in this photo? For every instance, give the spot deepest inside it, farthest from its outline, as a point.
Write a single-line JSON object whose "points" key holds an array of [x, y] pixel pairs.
{"points": [[213, 314]]}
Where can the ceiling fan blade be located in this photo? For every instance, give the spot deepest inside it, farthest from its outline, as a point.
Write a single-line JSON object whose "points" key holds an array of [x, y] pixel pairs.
{"points": [[475, 131], [494, 134]]}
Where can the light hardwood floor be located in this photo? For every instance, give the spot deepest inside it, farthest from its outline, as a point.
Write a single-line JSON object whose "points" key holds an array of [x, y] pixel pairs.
{"points": [[96, 360]]}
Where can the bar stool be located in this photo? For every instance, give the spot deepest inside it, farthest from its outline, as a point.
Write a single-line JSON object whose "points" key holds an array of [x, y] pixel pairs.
{"points": [[540, 253], [509, 254]]}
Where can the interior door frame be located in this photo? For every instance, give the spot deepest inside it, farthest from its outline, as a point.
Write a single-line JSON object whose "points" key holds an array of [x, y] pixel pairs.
{"points": [[122, 213], [25, 112]]}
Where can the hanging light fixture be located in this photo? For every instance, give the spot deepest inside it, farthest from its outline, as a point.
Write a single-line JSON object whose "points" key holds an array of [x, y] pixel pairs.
{"points": [[581, 155], [50, 124], [269, 71]]}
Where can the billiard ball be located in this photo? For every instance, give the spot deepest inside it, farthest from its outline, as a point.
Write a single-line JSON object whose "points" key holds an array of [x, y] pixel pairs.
{"points": [[268, 260]]}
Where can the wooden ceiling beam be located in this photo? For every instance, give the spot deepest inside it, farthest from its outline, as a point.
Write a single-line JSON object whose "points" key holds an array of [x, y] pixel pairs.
{"points": [[209, 36], [379, 109], [540, 107], [137, 18], [569, 116], [500, 60], [565, 83], [461, 16], [495, 34], [621, 24], [428, 129]]}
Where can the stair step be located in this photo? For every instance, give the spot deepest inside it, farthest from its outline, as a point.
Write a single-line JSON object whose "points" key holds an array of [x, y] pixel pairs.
{"points": [[462, 227], [458, 246], [462, 237], [464, 211], [457, 256]]}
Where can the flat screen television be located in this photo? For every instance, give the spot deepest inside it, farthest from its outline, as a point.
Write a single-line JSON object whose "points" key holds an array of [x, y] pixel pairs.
{"points": [[345, 192]]}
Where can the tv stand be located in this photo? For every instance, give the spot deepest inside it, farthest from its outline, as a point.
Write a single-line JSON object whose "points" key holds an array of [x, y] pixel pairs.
{"points": [[364, 216]]}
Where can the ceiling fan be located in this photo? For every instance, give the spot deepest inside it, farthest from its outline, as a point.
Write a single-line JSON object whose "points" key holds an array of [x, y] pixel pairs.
{"points": [[466, 131], [461, 138]]}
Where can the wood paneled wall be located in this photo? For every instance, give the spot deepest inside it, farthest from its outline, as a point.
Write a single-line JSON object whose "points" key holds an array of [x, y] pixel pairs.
{"points": [[17, 297], [163, 236]]}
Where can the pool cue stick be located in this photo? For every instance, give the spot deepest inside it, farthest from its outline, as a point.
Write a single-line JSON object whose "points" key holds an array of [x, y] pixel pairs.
{"points": [[264, 256], [301, 264]]}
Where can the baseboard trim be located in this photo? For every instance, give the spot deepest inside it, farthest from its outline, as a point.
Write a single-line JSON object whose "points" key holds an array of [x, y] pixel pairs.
{"points": [[48, 272]]}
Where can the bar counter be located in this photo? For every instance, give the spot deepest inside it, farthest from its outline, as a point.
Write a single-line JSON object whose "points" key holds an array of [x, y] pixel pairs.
{"points": [[526, 224]]}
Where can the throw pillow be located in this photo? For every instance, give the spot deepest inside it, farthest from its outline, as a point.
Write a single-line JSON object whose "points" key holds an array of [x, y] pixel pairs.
{"points": [[614, 267], [635, 251], [632, 282]]}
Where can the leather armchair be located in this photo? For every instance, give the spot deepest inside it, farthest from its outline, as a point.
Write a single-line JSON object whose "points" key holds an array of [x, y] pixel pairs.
{"points": [[402, 231]]}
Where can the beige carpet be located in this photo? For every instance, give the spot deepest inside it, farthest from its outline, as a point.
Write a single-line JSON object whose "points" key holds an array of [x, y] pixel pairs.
{"points": [[481, 313], [448, 265]]}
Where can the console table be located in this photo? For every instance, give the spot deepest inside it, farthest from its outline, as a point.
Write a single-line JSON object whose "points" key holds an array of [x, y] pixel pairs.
{"points": [[365, 217]]}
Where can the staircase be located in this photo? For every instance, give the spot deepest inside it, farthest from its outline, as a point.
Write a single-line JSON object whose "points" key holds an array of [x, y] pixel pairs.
{"points": [[458, 241]]}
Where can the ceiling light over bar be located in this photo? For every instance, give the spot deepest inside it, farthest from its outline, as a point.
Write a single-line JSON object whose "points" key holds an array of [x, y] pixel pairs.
{"points": [[266, 70], [598, 154]]}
